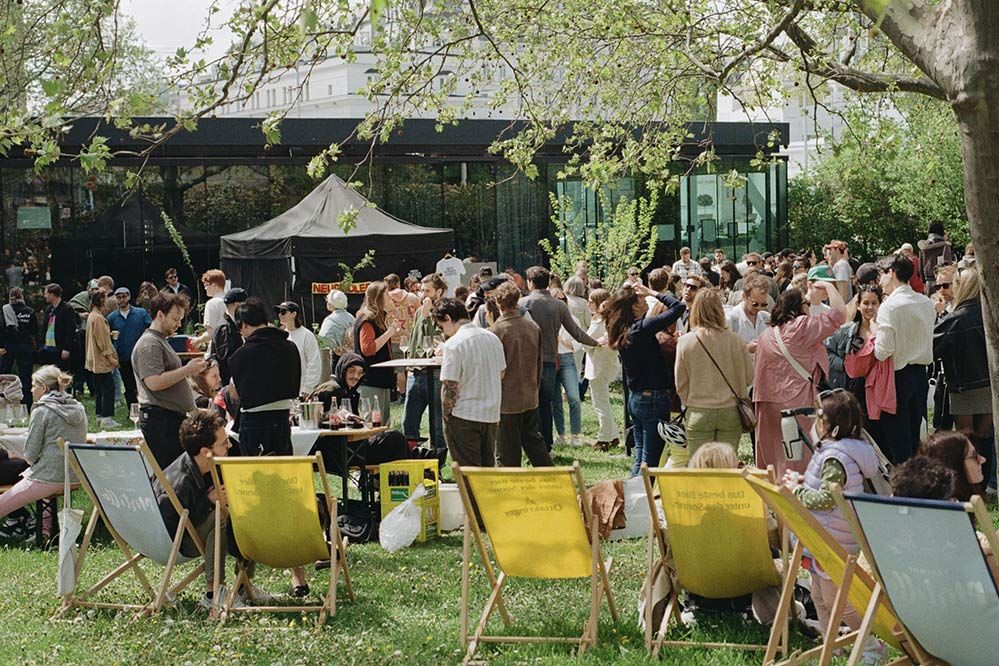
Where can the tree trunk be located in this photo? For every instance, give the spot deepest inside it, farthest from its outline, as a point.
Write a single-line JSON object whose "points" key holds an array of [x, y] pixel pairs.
{"points": [[978, 119]]}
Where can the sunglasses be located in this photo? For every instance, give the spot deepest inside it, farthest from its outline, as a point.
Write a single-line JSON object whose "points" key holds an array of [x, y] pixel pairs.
{"points": [[692, 287], [752, 263], [798, 267], [283, 311], [757, 305], [944, 285]]}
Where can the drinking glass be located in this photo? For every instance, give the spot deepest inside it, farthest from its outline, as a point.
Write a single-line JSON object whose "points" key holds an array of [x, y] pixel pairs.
{"points": [[134, 413], [21, 416], [364, 411], [8, 415]]}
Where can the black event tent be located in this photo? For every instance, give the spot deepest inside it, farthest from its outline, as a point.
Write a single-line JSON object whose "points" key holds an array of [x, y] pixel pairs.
{"points": [[281, 258], [130, 242]]}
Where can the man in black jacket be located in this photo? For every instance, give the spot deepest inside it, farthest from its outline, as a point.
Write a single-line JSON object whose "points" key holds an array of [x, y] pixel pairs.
{"points": [[61, 321], [19, 332], [266, 372], [227, 339]]}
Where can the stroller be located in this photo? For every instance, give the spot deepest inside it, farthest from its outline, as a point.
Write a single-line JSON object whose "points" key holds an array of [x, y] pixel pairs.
{"points": [[795, 440]]}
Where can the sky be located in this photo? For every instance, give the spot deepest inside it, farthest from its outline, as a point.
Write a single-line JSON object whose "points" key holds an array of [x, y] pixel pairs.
{"points": [[166, 25]]}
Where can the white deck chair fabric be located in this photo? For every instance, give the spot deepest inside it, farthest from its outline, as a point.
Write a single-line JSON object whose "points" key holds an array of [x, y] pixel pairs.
{"points": [[121, 480], [935, 575]]}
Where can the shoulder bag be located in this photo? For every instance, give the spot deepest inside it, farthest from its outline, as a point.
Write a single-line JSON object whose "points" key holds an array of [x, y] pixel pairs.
{"points": [[747, 415]]}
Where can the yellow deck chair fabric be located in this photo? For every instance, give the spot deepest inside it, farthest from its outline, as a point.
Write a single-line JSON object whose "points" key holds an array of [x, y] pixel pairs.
{"points": [[273, 510], [829, 554], [717, 532], [530, 514], [536, 520]]}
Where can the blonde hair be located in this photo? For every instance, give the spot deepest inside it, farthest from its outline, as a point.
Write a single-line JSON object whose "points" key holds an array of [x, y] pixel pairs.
{"points": [[707, 311], [51, 377], [968, 286], [373, 309], [714, 455]]}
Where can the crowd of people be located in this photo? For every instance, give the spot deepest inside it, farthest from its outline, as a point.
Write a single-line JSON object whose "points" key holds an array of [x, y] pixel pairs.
{"points": [[706, 349]]}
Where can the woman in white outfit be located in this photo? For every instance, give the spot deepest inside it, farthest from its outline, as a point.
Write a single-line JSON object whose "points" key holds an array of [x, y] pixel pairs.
{"points": [[308, 347], [602, 367]]}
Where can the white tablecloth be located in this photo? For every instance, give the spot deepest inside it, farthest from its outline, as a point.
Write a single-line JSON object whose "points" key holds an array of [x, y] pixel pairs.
{"points": [[115, 437], [302, 441]]}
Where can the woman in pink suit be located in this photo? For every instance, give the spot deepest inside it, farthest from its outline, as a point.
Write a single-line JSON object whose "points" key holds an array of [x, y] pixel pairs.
{"points": [[780, 384]]}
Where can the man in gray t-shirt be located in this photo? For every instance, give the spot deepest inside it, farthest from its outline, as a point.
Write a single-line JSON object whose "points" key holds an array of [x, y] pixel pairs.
{"points": [[165, 397]]}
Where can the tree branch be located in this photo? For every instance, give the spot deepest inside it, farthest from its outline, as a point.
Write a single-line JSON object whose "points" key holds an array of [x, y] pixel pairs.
{"points": [[814, 60]]}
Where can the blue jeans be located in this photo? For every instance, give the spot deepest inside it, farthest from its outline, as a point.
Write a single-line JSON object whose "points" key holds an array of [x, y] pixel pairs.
{"points": [[416, 402], [548, 395], [568, 378], [647, 408]]}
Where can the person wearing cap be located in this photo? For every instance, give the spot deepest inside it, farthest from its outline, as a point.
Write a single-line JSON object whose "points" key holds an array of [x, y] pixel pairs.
{"points": [[214, 283], [820, 273], [127, 322], [337, 324], [227, 338], [835, 252], [290, 315]]}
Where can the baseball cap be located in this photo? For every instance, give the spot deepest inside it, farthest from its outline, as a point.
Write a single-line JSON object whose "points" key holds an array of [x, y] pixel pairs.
{"points": [[337, 299], [290, 306], [822, 272], [235, 295], [868, 272], [122, 290]]}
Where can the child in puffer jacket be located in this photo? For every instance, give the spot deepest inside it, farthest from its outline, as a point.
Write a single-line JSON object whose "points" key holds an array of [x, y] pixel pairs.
{"points": [[842, 457]]}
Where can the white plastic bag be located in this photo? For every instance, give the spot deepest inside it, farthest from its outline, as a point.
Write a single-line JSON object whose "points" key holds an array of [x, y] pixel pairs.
{"points": [[401, 526]]}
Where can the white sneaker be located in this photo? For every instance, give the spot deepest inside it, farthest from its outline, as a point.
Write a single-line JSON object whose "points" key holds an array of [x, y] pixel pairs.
{"points": [[260, 597], [560, 440], [574, 441], [208, 604]]}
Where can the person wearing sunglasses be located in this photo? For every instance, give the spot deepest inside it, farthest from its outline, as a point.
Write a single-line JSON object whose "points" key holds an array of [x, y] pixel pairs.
{"points": [[688, 292], [754, 264], [943, 296], [750, 318]]}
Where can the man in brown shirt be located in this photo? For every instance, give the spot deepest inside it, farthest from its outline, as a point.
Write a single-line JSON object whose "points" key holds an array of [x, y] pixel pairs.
{"points": [[518, 427]]}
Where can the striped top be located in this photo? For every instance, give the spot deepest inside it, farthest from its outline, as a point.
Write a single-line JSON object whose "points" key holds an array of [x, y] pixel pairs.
{"points": [[474, 358], [905, 328]]}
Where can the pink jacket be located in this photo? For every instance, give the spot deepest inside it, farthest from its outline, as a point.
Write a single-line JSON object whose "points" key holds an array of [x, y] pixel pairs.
{"points": [[879, 385], [774, 379]]}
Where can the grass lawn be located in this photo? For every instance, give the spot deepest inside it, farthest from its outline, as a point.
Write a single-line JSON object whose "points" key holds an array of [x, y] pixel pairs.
{"points": [[406, 609]]}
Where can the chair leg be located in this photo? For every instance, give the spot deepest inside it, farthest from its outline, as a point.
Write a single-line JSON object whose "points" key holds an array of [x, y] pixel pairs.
{"points": [[495, 598], [346, 569], [865, 626], [784, 605], [171, 562], [832, 630]]}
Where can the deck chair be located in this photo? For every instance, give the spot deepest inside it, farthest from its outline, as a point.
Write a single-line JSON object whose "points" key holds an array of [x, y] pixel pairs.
{"points": [[272, 509], [926, 556], [540, 526], [118, 480], [855, 585], [716, 546]]}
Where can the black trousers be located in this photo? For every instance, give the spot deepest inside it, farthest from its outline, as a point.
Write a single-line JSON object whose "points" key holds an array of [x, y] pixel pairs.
{"points": [[900, 431], [104, 398], [128, 380], [520, 433], [265, 433], [161, 430], [24, 356]]}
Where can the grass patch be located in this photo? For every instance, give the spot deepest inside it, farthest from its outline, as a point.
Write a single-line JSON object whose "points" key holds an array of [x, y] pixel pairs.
{"points": [[406, 610]]}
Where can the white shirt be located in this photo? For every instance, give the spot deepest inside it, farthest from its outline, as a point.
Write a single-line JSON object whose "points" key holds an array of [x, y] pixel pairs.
{"points": [[215, 312], [842, 271], [451, 270], [739, 322], [474, 358], [905, 328], [683, 270], [308, 354], [600, 361]]}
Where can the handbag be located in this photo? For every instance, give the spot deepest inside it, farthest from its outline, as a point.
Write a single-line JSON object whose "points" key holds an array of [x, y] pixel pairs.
{"points": [[747, 415]]}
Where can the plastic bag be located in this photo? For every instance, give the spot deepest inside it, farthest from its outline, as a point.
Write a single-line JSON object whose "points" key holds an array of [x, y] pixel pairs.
{"points": [[402, 525]]}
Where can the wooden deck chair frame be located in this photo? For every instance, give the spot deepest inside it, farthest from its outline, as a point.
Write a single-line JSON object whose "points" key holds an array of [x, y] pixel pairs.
{"points": [[657, 541], [851, 571], [599, 573], [159, 594], [918, 654], [337, 548]]}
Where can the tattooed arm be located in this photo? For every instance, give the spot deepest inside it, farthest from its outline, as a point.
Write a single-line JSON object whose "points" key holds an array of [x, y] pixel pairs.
{"points": [[449, 396]]}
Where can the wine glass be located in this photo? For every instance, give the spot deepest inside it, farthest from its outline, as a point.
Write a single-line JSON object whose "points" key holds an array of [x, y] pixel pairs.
{"points": [[21, 415], [404, 343], [8, 415], [364, 411], [134, 413]]}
